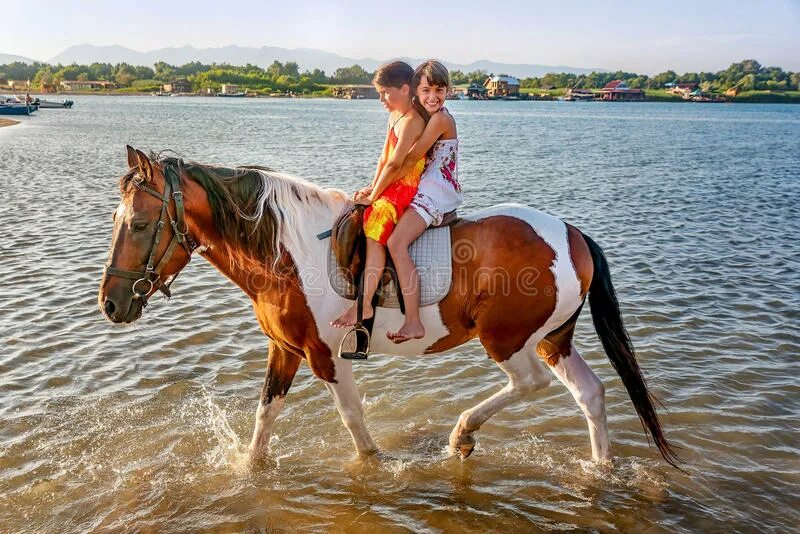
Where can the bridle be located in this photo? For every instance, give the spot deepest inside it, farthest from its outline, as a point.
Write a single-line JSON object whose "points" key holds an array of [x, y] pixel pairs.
{"points": [[150, 278]]}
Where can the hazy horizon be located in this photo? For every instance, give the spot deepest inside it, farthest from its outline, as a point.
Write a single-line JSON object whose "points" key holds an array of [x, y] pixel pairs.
{"points": [[680, 35]]}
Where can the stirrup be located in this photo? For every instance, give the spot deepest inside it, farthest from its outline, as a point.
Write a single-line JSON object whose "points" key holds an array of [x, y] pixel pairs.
{"points": [[361, 350]]}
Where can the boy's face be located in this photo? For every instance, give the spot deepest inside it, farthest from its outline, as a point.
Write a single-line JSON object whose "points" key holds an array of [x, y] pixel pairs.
{"points": [[431, 96], [393, 98]]}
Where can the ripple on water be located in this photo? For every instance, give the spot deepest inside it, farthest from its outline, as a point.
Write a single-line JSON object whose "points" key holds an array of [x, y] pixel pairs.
{"points": [[146, 427]]}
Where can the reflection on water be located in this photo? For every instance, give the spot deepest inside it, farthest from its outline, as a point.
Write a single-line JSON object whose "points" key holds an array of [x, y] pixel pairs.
{"points": [[145, 427]]}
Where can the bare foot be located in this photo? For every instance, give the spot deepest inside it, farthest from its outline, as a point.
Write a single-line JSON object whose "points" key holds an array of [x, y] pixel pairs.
{"points": [[348, 318], [409, 330]]}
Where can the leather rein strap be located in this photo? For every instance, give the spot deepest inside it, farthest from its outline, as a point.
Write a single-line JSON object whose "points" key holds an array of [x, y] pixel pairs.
{"points": [[150, 278]]}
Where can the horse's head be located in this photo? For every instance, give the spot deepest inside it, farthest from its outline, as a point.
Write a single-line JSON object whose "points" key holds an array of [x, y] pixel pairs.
{"points": [[151, 241]]}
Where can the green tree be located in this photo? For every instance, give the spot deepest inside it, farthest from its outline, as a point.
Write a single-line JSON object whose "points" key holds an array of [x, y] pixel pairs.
{"points": [[43, 76], [125, 74], [70, 72], [354, 74], [659, 80]]}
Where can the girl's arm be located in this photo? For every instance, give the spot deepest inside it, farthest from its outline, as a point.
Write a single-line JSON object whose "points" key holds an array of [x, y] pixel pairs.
{"points": [[435, 128], [409, 132]]}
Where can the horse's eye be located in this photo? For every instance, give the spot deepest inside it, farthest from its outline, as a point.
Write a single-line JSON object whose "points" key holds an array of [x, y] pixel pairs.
{"points": [[138, 227]]}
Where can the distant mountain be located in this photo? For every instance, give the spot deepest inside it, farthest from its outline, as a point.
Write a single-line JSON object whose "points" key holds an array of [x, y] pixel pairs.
{"points": [[307, 58], [10, 58]]}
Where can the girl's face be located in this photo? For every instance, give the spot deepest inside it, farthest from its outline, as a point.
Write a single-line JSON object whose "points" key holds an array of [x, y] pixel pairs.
{"points": [[393, 98], [431, 96]]}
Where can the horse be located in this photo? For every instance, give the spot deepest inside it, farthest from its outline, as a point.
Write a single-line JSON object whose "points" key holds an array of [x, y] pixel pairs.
{"points": [[520, 279]]}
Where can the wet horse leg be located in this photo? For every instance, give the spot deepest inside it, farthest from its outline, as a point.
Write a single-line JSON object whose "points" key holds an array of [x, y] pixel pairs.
{"points": [[282, 365], [589, 393], [526, 373], [345, 396]]}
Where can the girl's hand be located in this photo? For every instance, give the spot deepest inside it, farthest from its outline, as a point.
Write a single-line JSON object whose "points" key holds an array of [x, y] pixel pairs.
{"points": [[363, 200]]}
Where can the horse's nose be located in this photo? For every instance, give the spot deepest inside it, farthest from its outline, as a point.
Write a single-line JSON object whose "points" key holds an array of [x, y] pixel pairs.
{"points": [[109, 307]]}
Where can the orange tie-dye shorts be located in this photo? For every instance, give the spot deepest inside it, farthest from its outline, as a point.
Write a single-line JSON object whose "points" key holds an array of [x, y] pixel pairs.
{"points": [[381, 217]]}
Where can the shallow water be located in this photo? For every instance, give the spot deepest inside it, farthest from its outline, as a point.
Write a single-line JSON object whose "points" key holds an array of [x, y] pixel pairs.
{"points": [[144, 427]]}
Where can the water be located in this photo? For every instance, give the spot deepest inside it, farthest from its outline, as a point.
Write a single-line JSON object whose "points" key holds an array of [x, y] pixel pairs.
{"points": [[144, 427]]}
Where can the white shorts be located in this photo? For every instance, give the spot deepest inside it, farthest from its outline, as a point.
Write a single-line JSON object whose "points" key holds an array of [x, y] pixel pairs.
{"points": [[434, 199]]}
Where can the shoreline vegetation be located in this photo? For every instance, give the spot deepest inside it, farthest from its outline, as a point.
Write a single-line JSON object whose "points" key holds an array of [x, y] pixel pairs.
{"points": [[746, 81]]}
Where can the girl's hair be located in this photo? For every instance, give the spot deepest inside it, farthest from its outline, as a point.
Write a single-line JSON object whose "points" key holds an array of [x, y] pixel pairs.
{"points": [[395, 74], [435, 74]]}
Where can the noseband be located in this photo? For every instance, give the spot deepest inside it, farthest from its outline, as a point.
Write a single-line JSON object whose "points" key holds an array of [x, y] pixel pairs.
{"points": [[150, 278]]}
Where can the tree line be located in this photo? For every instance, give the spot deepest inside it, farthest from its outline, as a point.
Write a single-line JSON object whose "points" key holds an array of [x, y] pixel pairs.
{"points": [[747, 75], [278, 76]]}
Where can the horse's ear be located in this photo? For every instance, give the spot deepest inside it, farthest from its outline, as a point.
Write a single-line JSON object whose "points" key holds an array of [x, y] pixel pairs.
{"points": [[133, 160], [145, 167]]}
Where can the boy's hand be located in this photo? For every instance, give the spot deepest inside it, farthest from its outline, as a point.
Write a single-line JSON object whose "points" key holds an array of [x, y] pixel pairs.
{"points": [[365, 192]]}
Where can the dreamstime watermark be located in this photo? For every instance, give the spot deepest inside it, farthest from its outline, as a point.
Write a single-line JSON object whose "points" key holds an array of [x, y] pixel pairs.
{"points": [[469, 274]]}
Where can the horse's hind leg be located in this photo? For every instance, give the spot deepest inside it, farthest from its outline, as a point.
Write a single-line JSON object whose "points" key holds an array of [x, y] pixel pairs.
{"points": [[589, 393], [526, 373], [281, 368]]}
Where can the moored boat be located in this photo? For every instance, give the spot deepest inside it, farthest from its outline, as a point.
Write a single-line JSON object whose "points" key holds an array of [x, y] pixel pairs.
{"points": [[54, 104], [232, 95], [11, 107]]}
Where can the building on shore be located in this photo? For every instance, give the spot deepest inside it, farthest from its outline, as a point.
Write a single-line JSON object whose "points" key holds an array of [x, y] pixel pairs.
{"points": [[476, 91], [355, 92], [618, 91], [177, 86], [19, 85], [86, 85], [230, 89], [500, 86]]}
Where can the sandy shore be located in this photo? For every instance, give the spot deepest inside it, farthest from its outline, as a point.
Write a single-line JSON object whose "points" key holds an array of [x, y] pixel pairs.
{"points": [[7, 122]]}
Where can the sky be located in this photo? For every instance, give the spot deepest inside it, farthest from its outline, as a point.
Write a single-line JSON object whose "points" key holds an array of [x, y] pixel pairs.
{"points": [[645, 37]]}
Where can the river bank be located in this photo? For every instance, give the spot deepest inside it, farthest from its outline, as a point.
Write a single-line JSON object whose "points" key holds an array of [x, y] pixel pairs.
{"points": [[651, 95], [7, 122]]}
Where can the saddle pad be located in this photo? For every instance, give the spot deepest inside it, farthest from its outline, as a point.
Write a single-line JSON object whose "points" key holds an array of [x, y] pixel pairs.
{"points": [[431, 254]]}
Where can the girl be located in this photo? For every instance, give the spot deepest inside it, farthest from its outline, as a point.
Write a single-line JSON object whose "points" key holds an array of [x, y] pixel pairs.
{"points": [[439, 191], [392, 189]]}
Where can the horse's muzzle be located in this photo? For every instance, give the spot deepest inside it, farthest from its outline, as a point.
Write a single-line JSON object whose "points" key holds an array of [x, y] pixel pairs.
{"points": [[116, 312]]}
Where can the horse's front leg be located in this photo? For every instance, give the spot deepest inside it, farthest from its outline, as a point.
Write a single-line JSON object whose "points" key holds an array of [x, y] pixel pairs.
{"points": [[348, 402], [282, 365]]}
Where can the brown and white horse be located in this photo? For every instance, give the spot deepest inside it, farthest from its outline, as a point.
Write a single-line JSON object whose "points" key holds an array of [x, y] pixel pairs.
{"points": [[520, 278]]}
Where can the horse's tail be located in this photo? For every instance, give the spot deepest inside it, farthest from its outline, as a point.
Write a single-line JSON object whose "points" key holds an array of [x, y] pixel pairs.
{"points": [[619, 349]]}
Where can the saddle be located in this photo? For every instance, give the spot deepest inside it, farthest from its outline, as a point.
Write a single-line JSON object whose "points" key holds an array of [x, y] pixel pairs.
{"points": [[347, 260]]}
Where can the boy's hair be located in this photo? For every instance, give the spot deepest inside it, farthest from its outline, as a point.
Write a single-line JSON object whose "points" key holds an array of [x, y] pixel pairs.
{"points": [[436, 74], [395, 74]]}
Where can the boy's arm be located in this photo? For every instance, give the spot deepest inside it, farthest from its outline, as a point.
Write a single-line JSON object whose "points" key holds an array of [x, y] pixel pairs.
{"points": [[409, 132], [382, 160], [367, 189]]}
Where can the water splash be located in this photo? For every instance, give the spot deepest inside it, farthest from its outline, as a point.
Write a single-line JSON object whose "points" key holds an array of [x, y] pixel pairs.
{"points": [[228, 450]]}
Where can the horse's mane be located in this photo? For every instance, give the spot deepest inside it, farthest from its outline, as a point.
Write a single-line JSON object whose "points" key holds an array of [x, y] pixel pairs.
{"points": [[256, 210]]}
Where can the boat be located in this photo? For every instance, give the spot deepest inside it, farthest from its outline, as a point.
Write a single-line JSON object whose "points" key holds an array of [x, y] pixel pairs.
{"points": [[12, 107], [54, 104], [161, 93], [232, 95], [578, 95]]}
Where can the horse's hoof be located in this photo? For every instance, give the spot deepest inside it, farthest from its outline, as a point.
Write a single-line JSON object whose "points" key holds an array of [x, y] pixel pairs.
{"points": [[464, 446]]}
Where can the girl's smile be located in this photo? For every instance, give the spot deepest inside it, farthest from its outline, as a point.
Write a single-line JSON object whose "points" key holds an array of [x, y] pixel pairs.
{"points": [[431, 96]]}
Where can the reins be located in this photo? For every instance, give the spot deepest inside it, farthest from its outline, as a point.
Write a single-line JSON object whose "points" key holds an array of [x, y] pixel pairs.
{"points": [[151, 276]]}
